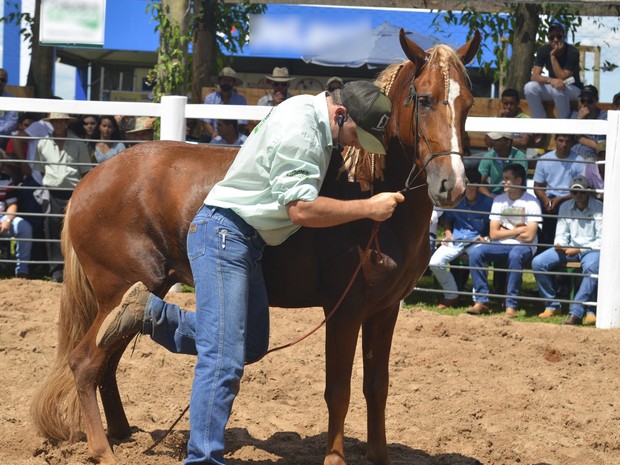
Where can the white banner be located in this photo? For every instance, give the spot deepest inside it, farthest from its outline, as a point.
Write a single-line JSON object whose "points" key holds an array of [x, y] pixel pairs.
{"points": [[72, 22]]}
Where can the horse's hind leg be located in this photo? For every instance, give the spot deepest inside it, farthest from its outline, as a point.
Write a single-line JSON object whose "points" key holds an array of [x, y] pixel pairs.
{"points": [[341, 339], [116, 419], [87, 363], [376, 342]]}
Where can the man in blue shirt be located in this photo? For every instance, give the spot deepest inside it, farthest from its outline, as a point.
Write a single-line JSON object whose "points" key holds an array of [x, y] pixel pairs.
{"points": [[585, 144], [226, 95], [577, 239], [465, 227]]}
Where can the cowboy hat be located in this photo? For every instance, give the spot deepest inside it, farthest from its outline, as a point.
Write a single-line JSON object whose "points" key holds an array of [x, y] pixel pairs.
{"points": [[280, 75], [60, 116], [141, 123], [230, 73]]}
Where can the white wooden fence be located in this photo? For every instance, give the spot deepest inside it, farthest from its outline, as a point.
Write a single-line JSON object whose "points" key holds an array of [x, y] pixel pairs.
{"points": [[173, 111]]}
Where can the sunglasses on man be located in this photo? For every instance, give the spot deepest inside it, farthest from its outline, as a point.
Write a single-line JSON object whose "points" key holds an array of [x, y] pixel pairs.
{"points": [[279, 84], [553, 37], [586, 101], [3, 80]]}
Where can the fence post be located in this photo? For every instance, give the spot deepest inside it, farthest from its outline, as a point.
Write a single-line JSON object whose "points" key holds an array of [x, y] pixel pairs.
{"points": [[172, 118], [608, 307], [173, 128]]}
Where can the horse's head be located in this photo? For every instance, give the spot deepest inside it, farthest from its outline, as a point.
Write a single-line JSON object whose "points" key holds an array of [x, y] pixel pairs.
{"points": [[430, 100]]}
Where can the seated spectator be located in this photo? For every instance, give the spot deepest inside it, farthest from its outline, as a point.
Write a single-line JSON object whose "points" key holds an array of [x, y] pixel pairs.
{"points": [[333, 84], [616, 102], [511, 109], [585, 145], [280, 82], [433, 226], [513, 229], [228, 133], [577, 239], [107, 137], [563, 84], [595, 172], [8, 119], [226, 95], [552, 177], [140, 129], [12, 225], [492, 165], [463, 231]]}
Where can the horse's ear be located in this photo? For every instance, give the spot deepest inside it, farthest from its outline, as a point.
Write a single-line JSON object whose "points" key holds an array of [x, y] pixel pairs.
{"points": [[468, 51], [412, 50]]}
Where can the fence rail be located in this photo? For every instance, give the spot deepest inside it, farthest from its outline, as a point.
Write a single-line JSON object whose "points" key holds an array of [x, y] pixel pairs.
{"points": [[173, 111]]}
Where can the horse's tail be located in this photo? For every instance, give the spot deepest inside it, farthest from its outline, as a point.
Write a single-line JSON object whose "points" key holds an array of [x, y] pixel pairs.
{"points": [[55, 409]]}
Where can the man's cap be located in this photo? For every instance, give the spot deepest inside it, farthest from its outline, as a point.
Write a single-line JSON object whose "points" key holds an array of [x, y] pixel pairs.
{"points": [[230, 73], [280, 75], [616, 98], [141, 123], [580, 182], [60, 116], [500, 135], [370, 109], [589, 90], [331, 80]]}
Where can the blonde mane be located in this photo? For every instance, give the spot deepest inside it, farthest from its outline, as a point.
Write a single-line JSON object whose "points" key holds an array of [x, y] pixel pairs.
{"points": [[365, 167]]}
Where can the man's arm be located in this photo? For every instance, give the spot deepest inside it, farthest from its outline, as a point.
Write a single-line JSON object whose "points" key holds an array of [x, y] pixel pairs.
{"points": [[324, 212], [10, 212]]}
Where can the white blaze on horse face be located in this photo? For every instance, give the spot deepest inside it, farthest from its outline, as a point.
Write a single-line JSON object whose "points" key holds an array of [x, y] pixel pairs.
{"points": [[457, 162]]}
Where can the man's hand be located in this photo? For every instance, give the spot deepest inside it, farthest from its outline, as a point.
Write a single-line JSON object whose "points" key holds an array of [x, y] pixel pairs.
{"points": [[5, 227], [278, 98], [384, 204]]}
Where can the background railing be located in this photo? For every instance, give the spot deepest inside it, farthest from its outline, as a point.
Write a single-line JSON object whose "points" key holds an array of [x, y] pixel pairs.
{"points": [[173, 111]]}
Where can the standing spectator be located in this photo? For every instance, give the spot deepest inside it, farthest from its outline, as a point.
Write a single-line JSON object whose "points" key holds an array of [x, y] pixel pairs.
{"points": [[280, 82], [577, 239], [463, 231], [107, 136], [563, 83], [12, 225], [334, 83], [552, 177], [228, 133], [226, 95], [89, 126], [513, 229], [8, 119], [140, 129], [57, 158], [585, 145], [495, 160]]}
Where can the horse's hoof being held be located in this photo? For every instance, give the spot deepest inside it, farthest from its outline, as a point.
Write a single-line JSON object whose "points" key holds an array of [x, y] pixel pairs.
{"points": [[126, 319]]}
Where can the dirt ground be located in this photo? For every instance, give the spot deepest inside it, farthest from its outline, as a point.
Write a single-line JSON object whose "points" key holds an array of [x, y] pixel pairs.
{"points": [[464, 390]]}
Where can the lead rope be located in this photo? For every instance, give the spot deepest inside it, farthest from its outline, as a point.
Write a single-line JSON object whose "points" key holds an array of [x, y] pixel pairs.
{"points": [[373, 238]]}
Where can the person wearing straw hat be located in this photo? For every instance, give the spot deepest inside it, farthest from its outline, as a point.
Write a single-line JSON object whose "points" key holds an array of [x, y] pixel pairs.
{"points": [[64, 161], [227, 80], [334, 83], [280, 82], [577, 239], [269, 192]]}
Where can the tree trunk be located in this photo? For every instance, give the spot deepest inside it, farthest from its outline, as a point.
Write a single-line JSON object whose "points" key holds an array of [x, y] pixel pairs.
{"points": [[41, 71], [177, 12], [204, 52], [527, 17]]}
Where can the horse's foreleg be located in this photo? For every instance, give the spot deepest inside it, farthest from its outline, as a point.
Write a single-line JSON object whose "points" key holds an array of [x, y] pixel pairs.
{"points": [[87, 363], [341, 339], [376, 342], [116, 419]]}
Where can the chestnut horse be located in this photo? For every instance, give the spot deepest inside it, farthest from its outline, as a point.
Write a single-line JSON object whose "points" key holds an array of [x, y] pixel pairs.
{"points": [[128, 221]]}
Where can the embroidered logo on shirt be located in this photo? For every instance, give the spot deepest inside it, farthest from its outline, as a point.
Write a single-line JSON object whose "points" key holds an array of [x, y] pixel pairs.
{"points": [[298, 174]]}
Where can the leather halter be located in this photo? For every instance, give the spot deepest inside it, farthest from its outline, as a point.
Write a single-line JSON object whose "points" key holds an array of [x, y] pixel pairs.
{"points": [[412, 97]]}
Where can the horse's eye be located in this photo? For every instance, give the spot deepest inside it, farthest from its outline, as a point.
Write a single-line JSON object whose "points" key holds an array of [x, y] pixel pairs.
{"points": [[424, 101]]}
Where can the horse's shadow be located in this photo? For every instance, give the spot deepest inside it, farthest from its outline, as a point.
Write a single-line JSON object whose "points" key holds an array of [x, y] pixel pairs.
{"points": [[289, 448]]}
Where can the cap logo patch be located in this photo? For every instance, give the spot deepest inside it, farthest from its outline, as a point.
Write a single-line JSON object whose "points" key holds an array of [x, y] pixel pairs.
{"points": [[382, 122]]}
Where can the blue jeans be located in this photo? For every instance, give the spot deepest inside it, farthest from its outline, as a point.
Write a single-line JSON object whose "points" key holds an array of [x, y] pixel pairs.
{"points": [[20, 229], [230, 326], [550, 260], [516, 255]]}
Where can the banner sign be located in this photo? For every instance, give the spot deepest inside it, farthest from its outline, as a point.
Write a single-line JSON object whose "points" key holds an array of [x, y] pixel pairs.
{"points": [[72, 22]]}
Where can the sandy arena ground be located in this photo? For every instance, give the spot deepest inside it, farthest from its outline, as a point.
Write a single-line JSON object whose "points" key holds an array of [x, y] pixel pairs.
{"points": [[464, 390]]}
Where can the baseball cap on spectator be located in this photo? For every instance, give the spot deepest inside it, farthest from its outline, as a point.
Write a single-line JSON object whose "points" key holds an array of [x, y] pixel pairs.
{"points": [[556, 27], [499, 135], [370, 109], [580, 182], [589, 90]]}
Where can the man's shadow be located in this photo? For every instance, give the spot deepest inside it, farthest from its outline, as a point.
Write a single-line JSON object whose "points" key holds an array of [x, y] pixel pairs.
{"points": [[289, 448]]}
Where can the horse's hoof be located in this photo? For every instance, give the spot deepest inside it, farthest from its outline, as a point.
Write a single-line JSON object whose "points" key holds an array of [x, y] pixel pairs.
{"points": [[334, 459]]}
